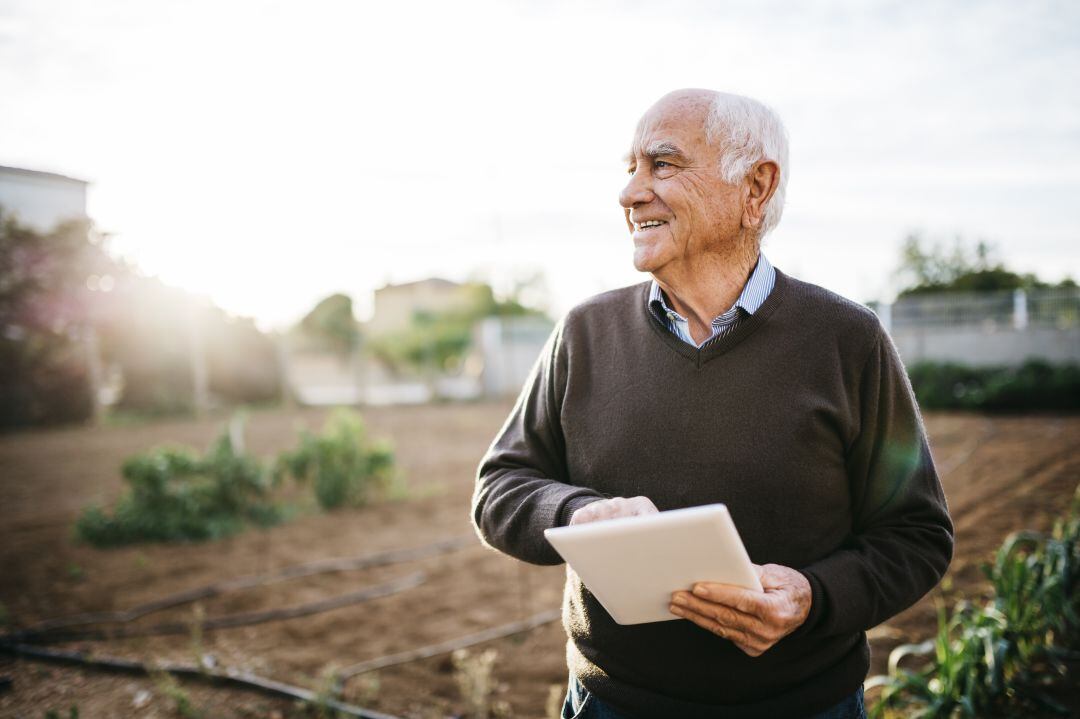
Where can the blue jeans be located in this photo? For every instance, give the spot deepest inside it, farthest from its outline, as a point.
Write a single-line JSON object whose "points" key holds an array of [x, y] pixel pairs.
{"points": [[580, 704]]}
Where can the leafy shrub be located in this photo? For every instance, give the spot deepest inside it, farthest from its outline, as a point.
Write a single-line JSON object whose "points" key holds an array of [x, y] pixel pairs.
{"points": [[995, 658], [344, 467], [1035, 385], [174, 495]]}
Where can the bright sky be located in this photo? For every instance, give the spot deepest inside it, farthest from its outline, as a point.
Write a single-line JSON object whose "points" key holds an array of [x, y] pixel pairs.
{"points": [[270, 153]]}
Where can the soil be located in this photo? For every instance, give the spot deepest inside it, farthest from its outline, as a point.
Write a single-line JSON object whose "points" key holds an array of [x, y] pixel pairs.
{"points": [[1000, 474]]}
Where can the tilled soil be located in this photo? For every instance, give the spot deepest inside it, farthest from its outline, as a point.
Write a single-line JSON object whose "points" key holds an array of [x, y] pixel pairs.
{"points": [[1000, 474]]}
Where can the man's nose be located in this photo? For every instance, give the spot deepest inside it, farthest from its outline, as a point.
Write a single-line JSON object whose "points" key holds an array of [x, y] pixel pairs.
{"points": [[638, 190]]}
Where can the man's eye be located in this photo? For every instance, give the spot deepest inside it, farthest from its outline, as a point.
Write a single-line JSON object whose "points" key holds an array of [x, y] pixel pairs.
{"points": [[661, 163], [630, 170]]}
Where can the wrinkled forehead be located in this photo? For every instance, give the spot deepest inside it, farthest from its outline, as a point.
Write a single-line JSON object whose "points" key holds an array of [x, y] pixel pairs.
{"points": [[667, 124]]}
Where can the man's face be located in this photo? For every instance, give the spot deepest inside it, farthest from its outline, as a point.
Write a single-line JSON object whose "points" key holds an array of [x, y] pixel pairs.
{"points": [[677, 206]]}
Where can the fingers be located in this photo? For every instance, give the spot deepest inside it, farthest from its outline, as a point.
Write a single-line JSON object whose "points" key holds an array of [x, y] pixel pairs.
{"points": [[745, 600], [729, 618], [754, 621], [745, 641], [612, 508]]}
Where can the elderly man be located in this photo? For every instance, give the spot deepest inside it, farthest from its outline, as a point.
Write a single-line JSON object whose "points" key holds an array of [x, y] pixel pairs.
{"points": [[723, 380]]}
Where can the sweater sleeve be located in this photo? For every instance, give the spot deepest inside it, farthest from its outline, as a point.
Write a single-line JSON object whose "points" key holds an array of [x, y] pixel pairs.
{"points": [[522, 485], [902, 537]]}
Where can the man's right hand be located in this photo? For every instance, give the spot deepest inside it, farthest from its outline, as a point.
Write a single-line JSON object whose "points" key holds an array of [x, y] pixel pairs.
{"points": [[612, 508]]}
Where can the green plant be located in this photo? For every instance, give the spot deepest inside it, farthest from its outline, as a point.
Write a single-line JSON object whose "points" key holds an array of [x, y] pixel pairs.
{"points": [[168, 685], [174, 495], [329, 691], [996, 657], [1035, 385], [366, 687], [195, 643], [73, 713], [344, 467]]}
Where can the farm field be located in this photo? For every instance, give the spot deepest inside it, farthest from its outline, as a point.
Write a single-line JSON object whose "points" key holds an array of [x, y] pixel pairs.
{"points": [[1000, 474]]}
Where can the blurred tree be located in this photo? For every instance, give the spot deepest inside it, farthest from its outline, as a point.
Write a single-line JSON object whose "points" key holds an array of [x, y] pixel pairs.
{"points": [[151, 333], [331, 323], [241, 360], [146, 334], [59, 288], [927, 267], [439, 341], [53, 286]]}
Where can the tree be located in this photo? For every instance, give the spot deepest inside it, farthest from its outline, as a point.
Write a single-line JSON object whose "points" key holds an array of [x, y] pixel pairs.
{"points": [[439, 341], [53, 286], [58, 287], [151, 332], [331, 323], [927, 267]]}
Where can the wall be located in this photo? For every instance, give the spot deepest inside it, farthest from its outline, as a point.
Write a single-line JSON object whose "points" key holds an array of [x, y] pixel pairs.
{"points": [[979, 347], [987, 328]]}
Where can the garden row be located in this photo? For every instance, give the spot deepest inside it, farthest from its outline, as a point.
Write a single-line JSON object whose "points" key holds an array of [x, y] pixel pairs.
{"points": [[175, 494]]}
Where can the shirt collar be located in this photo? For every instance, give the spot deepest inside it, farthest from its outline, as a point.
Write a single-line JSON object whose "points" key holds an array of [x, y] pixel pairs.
{"points": [[753, 295]]}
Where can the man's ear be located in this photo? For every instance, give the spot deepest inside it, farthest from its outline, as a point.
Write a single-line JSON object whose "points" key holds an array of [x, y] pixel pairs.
{"points": [[760, 185]]}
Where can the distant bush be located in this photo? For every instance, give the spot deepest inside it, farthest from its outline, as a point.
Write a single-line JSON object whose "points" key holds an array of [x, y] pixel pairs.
{"points": [[174, 495], [1035, 385], [344, 467]]}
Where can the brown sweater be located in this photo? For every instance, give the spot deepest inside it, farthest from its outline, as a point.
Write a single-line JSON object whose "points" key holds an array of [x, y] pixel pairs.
{"points": [[801, 420]]}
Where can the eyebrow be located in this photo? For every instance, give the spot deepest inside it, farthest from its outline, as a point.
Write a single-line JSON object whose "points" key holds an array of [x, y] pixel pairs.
{"points": [[660, 148]]}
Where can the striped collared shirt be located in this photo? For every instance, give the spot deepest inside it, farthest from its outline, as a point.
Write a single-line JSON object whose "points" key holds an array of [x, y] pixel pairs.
{"points": [[757, 288]]}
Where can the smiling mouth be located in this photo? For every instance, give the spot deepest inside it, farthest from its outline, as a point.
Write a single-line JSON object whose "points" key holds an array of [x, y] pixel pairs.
{"points": [[648, 224]]}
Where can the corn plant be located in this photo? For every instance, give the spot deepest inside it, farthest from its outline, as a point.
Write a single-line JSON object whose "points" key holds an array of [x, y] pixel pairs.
{"points": [[997, 657]]}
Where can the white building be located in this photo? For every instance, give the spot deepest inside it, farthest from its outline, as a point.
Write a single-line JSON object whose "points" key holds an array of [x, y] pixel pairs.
{"points": [[41, 199]]}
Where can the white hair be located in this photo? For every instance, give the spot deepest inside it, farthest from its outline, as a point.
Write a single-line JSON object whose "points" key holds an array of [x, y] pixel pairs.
{"points": [[749, 132]]}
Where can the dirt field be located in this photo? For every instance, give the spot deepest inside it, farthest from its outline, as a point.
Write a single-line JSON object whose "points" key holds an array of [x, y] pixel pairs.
{"points": [[1000, 474]]}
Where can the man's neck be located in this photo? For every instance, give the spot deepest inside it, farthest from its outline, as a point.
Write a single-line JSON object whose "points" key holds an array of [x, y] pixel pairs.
{"points": [[708, 288]]}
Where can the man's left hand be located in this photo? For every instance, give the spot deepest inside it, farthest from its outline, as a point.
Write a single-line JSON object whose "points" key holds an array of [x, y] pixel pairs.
{"points": [[753, 621]]}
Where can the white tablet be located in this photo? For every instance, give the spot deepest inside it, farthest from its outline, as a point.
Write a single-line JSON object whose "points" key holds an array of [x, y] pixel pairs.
{"points": [[632, 565]]}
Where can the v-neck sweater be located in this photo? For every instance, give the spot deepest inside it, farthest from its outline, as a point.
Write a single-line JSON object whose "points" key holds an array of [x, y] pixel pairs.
{"points": [[801, 420]]}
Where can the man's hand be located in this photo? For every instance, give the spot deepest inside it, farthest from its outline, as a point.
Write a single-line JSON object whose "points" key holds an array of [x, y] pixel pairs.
{"points": [[614, 507], [753, 621]]}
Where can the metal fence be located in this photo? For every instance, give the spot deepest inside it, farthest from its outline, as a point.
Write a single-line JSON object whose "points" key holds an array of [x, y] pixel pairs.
{"points": [[1057, 308]]}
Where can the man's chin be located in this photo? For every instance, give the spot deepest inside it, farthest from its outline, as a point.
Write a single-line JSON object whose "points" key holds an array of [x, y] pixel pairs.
{"points": [[645, 261]]}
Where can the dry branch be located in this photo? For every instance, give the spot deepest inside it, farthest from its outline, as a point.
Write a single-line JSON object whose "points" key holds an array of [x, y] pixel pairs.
{"points": [[241, 619], [307, 569], [468, 640], [224, 676]]}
